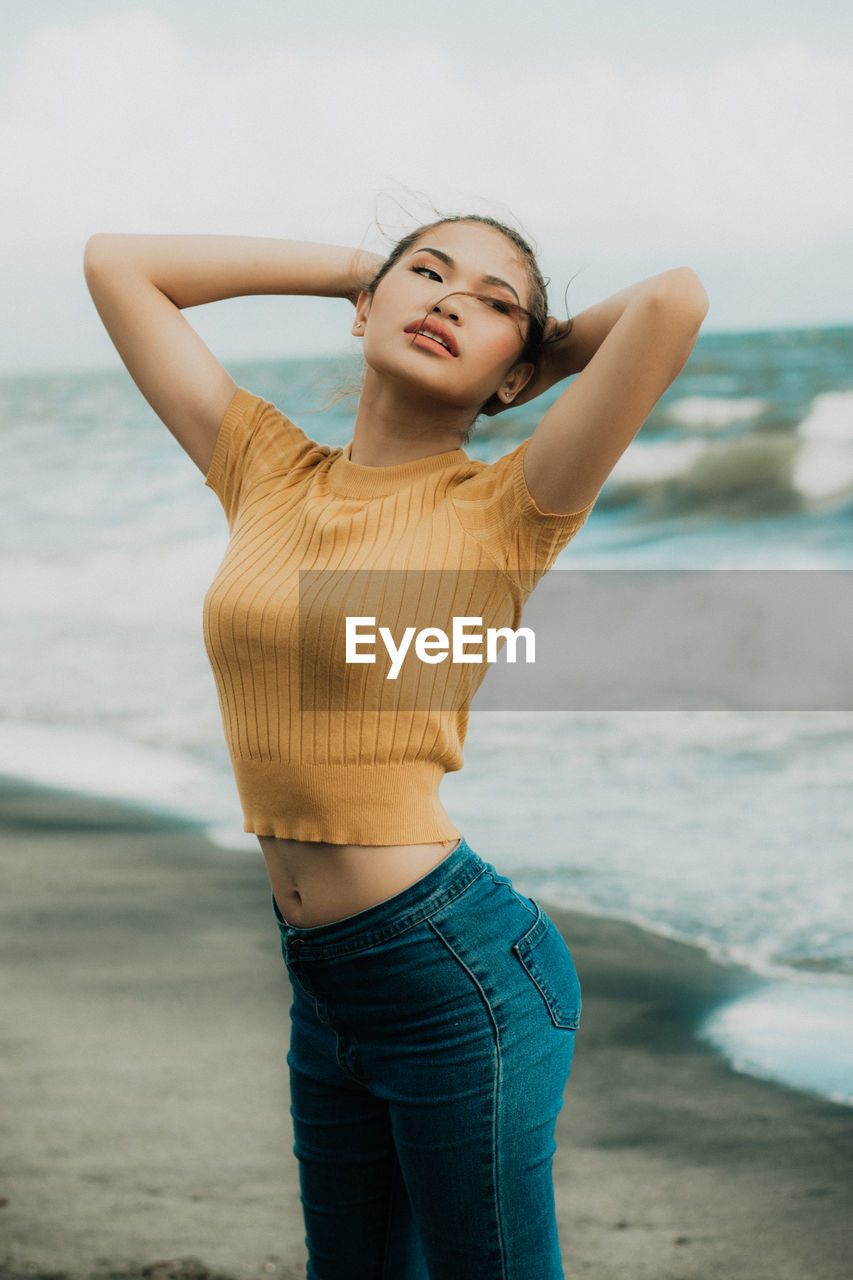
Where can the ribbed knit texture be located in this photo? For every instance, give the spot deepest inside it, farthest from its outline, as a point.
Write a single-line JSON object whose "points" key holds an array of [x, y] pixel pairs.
{"points": [[328, 751]]}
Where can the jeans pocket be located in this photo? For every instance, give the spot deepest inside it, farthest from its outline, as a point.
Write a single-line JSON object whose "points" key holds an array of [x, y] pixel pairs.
{"points": [[548, 963]]}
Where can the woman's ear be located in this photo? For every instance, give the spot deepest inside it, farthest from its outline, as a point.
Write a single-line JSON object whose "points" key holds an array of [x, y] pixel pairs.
{"points": [[362, 311], [515, 381]]}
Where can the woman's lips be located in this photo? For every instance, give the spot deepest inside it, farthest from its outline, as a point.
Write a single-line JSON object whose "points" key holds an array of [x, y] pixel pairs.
{"points": [[433, 336]]}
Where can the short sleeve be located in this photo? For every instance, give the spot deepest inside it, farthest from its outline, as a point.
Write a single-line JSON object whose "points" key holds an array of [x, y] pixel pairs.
{"points": [[497, 508], [255, 440]]}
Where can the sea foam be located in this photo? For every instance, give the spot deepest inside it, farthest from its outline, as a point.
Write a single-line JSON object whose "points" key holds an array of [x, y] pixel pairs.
{"points": [[714, 412]]}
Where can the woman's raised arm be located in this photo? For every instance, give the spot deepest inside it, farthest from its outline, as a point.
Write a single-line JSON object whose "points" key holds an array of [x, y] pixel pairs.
{"points": [[140, 285], [626, 351]]}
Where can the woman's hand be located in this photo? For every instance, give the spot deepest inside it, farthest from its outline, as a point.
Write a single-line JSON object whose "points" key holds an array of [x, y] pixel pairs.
{"points": [[364, 267]]}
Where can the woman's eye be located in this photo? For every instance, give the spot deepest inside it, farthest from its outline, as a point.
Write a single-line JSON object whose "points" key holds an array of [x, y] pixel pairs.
{"points": [[496, 304], [428, 272]]}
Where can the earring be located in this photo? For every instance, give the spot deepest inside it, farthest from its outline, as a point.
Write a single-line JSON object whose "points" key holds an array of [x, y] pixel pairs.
{"points": [[359, 324]]}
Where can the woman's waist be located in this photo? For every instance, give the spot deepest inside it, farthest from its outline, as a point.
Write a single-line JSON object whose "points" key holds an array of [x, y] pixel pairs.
{"points": [[315, 882]]}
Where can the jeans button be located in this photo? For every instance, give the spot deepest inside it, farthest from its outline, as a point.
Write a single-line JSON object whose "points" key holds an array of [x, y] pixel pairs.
{"points": [[293, 944]]}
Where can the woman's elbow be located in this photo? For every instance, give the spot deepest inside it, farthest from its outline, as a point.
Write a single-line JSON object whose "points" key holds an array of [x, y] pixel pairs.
{"points": [[102, 254], [685, 293], [94, 254], [676, 303]]}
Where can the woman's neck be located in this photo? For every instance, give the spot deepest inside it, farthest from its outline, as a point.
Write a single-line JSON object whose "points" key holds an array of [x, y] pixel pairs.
{"points": [[393, 425]]}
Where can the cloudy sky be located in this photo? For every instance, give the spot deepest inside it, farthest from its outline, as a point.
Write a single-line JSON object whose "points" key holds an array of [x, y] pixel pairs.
{"points": [[625, 137]]}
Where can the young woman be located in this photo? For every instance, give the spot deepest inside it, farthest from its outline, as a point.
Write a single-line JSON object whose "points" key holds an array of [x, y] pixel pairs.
{"points": [[434, 1007]]}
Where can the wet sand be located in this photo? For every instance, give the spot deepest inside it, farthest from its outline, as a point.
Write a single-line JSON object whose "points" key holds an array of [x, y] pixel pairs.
{"points": [[144, 1115]]}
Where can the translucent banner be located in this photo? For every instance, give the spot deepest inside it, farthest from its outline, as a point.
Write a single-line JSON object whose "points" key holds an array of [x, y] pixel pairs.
{"points": [[609, 640]]}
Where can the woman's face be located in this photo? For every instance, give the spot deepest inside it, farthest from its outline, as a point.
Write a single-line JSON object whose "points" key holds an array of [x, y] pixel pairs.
{"points": [[422, 324]]}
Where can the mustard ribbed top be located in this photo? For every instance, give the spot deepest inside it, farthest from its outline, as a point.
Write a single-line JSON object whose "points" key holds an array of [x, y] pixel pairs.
{"points": [[322, 749]]}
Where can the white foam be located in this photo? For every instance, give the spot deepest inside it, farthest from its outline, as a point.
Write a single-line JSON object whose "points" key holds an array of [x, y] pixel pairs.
{"points": [[714, 411], [831, 418], [824, 464], [659, 460], [798, 1033], [230, 835], [823, 468], [118, 586], [96, 762]]}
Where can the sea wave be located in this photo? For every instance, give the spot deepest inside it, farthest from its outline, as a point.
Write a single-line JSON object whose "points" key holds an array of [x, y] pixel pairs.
{"points": [[705, 413], [831, 418], [823, 468], [733, 479], [93, 761], [757, 474], [147, 586]]}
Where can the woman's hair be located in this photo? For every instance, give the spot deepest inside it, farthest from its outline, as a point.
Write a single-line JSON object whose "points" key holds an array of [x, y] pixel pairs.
{"points": [[537, 311]]}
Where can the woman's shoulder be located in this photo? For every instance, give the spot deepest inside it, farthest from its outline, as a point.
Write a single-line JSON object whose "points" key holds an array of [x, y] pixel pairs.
{"points": [[495, 506], [255, 439], [503, 481]]}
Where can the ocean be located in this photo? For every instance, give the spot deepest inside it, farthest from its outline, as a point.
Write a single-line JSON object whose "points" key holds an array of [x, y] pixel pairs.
{"points": [[729, 828]]}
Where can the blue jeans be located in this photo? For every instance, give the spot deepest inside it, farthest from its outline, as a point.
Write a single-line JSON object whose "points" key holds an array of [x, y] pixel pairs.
{"points": [[431, 1041]]}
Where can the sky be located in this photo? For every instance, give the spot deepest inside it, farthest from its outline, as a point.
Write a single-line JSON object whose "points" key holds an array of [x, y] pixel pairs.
{"points": [[624, 138]]}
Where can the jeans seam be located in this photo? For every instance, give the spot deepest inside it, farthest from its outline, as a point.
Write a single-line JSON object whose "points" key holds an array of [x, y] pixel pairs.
{"points": [[519, 897], [341, 1055], [525, 902], [496, 1092]]}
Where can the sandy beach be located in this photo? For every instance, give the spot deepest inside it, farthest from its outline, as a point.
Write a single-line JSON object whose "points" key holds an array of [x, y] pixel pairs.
{"points": [[145, 1117]]}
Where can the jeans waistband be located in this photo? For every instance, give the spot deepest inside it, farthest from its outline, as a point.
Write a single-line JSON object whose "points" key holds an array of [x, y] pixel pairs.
{"points": [[395, 915]]}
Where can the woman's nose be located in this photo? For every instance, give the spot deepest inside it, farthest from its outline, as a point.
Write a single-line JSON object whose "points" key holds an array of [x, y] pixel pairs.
{"points": [[447, 307]]}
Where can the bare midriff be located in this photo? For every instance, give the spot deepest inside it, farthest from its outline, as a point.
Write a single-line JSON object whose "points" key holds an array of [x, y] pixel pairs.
{"points": [[316, 883]]}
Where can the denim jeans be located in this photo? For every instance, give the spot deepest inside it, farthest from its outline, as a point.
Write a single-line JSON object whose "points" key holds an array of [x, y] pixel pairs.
{"points": [[431, 1041]]}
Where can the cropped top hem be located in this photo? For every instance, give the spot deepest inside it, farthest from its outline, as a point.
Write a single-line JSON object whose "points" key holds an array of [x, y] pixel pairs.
{"points": [[344, 804]]}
